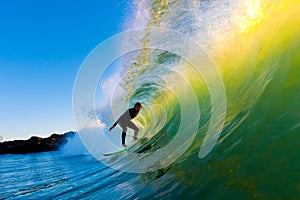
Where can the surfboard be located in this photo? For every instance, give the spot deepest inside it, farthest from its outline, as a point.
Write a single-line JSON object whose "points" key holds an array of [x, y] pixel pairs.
{"points": [[116, 152]]}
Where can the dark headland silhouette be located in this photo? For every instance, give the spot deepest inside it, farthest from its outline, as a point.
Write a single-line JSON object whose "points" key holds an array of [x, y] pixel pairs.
{"points": [[35, 144]]}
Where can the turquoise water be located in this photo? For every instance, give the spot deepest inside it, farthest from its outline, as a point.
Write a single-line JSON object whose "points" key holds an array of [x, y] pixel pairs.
{"points": [[54, 176]]}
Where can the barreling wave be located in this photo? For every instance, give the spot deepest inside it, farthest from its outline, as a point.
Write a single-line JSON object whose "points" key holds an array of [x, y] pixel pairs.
{"points": [[250, 42], [255, 46]]}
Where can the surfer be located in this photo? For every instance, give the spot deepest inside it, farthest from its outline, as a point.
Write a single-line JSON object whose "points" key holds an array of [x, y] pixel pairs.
{"points": [[125, 121]]}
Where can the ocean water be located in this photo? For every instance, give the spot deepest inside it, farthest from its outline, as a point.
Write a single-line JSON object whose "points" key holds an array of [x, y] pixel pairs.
{"points": [[255, 46], [71, 173], [54, 176]]}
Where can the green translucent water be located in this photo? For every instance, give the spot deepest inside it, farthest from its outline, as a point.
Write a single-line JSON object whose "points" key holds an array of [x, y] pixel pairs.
{"points": [[256, 47]]}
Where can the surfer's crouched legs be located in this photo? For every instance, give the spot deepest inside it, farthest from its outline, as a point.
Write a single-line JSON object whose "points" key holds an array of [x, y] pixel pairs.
{"points": [[135, 128], [124, 129], [136, 131], [132, 126], [123, 138]]}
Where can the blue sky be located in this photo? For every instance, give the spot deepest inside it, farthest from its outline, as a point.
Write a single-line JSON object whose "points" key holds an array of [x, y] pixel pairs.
{"points": [[42, 45]]}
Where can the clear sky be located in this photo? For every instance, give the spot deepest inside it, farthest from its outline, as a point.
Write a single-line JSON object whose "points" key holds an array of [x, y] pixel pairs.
{"points": [[42, 45]]}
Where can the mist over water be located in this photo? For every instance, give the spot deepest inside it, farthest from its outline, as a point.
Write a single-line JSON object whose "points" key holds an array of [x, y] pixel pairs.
{"points": [[73, 147]]}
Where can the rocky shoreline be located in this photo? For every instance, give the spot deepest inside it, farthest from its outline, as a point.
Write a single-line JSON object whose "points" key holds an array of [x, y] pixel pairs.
{"points": [[35, 144]]}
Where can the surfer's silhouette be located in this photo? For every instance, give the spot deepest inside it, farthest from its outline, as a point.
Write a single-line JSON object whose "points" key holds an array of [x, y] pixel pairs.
{"points": [[125, 121]]}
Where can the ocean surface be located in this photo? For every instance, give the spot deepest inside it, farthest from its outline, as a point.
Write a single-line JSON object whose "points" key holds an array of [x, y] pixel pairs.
{"points": [[255, 46]]}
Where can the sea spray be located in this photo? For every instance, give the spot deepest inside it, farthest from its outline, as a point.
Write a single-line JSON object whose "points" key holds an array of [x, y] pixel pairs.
{"points": [[73, 147]]}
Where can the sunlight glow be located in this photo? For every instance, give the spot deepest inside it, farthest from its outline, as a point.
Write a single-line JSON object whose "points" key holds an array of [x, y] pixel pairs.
{"points": [[254, 15]]}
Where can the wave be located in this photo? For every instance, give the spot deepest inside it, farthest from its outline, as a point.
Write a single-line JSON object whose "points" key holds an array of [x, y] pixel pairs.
{"points": [[255, 47]]}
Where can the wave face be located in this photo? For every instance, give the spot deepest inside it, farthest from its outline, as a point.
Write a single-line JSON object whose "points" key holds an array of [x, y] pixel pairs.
{"points": [[255, 46]]}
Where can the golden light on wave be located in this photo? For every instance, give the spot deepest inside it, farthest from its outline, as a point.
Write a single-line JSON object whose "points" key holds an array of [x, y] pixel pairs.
{"points": [[252, 15]]}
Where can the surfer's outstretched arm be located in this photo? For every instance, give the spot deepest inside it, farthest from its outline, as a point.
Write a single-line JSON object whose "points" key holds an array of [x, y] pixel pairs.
{"points": [[122, 117], [114, 125]]}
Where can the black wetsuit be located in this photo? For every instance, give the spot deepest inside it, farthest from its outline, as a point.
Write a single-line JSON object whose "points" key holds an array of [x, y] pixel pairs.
{"points": [[133, 113]]}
